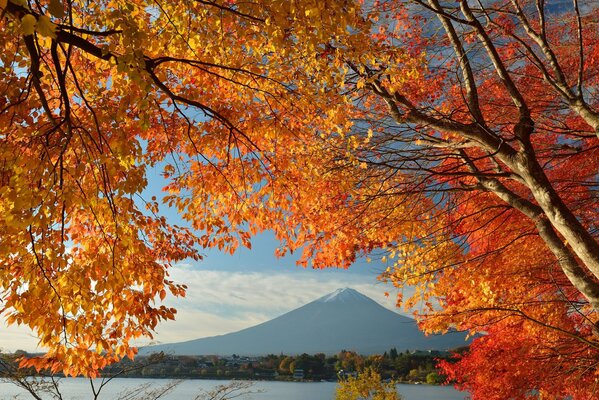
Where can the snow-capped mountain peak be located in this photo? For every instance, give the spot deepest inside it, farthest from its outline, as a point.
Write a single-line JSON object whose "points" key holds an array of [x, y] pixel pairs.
{"points": [[343, 295]]}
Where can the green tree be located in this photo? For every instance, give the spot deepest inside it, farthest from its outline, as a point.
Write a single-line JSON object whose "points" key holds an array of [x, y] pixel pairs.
{"points": [[413, 375], [433, 378]]}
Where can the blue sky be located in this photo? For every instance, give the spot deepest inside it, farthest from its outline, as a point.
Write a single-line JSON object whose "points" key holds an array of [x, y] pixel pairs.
{"points": [[231, 292]]}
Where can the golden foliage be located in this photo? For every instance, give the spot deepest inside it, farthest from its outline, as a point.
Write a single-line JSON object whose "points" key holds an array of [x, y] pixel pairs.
{"points": [[366, 386]]}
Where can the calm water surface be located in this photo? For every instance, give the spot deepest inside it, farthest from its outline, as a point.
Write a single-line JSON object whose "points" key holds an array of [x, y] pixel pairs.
{"points": [[79, 389]]}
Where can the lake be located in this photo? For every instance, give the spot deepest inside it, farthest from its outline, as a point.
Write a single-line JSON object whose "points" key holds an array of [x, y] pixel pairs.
{"points": [[79, 389]]}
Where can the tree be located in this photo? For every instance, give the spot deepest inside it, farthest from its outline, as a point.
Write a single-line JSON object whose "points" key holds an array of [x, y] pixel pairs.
{"points": [[93, 94], [313, 366], [37, 388], [366, 386], [350, 361], [506, 145], [285, 365], [433, 378], [460, 140]]}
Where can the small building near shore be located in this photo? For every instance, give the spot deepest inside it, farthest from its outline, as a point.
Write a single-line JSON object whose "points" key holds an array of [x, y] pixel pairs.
{"points": [[298, 374]]}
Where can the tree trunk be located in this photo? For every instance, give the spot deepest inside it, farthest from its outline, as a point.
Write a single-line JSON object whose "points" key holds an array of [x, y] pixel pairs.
{"points": [[586, 284], [559, 215]]}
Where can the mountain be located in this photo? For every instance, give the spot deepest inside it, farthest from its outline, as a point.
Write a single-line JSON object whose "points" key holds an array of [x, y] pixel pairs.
{"points": [[342, 320]]}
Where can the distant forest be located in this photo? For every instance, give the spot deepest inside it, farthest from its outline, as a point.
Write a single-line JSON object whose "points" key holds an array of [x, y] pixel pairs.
{"points": [[406, 366]]}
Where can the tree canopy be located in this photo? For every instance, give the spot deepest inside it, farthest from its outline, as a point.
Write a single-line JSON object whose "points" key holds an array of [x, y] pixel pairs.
{"points": [[456, 143], [366, 385]]}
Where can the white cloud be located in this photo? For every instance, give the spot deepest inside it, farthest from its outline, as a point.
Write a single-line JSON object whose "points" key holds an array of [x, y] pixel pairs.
{"points": [[15, 337], [267, 292], [190, 324]]}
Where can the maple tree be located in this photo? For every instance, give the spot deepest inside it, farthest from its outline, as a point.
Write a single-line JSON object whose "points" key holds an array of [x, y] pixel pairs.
{"points": [[506, 145], [499, 127], [458, 139]]}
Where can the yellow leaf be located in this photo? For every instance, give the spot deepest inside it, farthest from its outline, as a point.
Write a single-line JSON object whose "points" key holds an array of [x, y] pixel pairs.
{"points": [[311, 11], [46, 27], [3, 4], [28, 24]]}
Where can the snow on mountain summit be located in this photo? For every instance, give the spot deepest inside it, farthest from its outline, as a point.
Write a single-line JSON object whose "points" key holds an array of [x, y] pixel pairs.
{"points": [[343, 295]]}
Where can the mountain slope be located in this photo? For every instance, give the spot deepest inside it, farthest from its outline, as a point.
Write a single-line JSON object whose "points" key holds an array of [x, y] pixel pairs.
{"points": [[344, 319]]}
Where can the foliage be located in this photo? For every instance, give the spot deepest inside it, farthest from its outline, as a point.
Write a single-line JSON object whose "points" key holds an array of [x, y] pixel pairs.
{"points": [[37, 387], [366, 386], [458, 139], [506, 145], [95, 93], [433, 378]]}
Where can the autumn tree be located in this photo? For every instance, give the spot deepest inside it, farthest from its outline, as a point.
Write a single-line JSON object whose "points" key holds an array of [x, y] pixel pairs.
{"points": [[365, 386], [506, 145], [93, 94], [498, 126], [457, 140]]}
